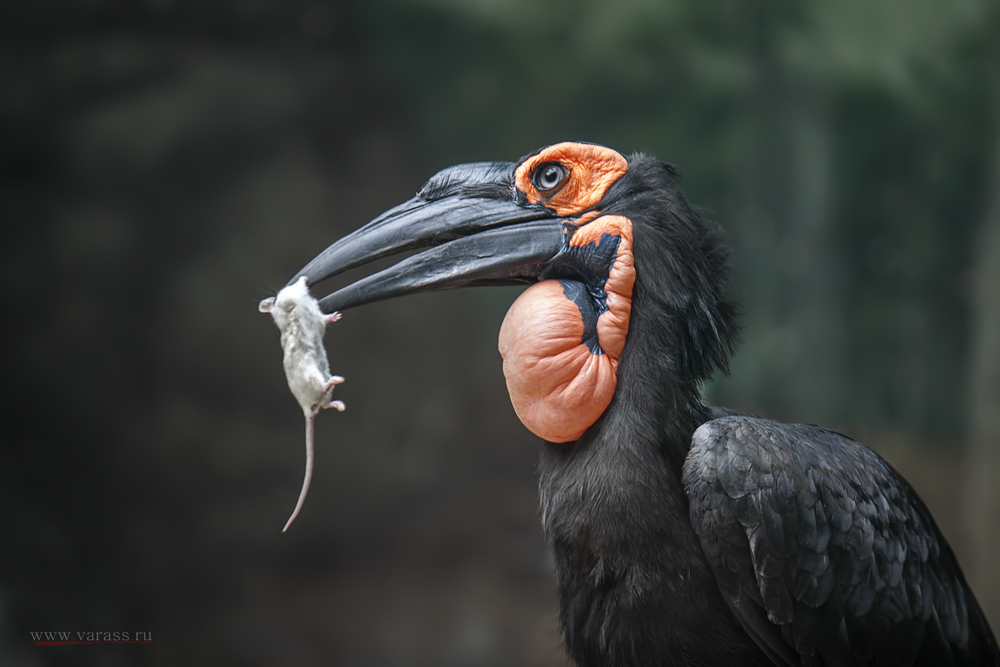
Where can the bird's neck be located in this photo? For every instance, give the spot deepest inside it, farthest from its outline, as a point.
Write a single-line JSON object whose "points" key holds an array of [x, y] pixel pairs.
{"points": [[657, 406], [620, 484], [613, 507]]}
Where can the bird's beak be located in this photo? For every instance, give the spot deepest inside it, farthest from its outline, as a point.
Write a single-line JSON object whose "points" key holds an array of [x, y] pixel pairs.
{"points": [[476, 231]]}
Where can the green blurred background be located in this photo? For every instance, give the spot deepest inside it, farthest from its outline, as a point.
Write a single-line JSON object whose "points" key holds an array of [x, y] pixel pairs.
{"points": [[164, 165]]}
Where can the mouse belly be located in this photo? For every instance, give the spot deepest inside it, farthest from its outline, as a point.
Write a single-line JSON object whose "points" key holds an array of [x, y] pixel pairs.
{"points": [[309, 384]]}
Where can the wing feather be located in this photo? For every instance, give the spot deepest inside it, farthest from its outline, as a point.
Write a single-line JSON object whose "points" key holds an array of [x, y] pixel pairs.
{"points": [[823, 550]]}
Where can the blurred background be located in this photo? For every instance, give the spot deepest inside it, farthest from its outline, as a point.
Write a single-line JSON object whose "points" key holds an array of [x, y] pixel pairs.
{"points": [[166, 164]]}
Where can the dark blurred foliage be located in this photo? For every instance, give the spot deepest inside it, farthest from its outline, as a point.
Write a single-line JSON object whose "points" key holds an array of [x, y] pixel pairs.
{"points": [[164, 165]]}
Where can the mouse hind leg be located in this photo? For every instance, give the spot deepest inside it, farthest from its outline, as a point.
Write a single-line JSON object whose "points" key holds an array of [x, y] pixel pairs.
{"points": [[333, 382]]}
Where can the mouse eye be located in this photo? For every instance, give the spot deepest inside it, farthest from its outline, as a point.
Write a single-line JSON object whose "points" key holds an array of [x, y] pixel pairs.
{"points": [[549, 176], [287, 306]]}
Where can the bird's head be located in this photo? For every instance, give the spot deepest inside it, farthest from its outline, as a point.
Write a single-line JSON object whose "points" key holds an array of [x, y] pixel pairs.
{"points": [[612, 253]]}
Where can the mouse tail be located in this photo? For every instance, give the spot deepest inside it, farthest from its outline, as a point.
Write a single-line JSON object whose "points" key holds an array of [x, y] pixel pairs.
{"points": [[310, 425]]}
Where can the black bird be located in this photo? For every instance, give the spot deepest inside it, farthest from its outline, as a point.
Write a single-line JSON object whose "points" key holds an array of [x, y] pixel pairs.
{"points": [[682, 534]]}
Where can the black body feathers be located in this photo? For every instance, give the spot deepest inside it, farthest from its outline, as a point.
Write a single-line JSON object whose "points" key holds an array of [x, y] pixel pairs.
{"points": [[824, 551], [781, 545]]}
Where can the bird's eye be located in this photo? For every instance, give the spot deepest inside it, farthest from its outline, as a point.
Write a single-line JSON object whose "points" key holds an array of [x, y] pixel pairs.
{"points": [[549, 176]]}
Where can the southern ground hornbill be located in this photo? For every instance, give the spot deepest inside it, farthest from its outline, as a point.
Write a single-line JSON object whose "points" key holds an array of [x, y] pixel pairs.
{"points": [[682, 534]]}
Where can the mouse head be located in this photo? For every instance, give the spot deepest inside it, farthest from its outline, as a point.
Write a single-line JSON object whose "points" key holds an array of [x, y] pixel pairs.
{"points": [[282, 307]]}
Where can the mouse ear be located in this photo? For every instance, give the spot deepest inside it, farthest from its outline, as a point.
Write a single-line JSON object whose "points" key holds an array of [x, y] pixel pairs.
{"points": [[266, 305]]}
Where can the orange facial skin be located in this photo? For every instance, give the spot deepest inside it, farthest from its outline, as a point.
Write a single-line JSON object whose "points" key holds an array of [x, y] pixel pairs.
{"points": [[557, 384], [592, 170], [561, 339], [612, 325]]}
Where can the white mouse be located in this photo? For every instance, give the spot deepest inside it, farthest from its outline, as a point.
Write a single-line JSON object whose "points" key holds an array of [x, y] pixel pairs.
{"points": [[307, 370]]}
